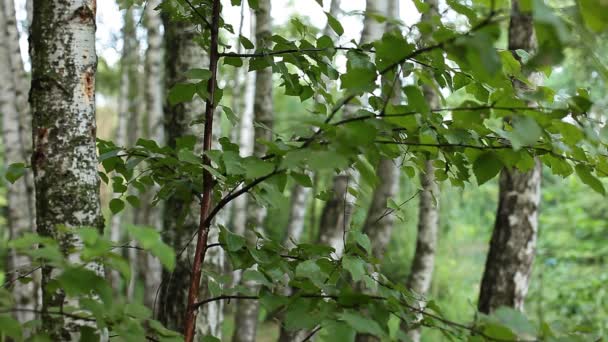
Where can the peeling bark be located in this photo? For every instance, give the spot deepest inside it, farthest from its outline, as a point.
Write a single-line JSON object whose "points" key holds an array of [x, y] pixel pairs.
{"points": [[62, 98], [246, 319], [513, 244]]}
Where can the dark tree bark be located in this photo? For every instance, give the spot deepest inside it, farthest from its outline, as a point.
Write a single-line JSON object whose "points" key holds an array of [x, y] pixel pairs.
{"points": [[180, 217], [62, 98], [513, 245]]}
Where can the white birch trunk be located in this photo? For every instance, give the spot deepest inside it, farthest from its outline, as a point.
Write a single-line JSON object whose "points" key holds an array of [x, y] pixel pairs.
{"points": [[246, 319], [513, 244], [128, 58], [20, 215], [62, 99], [337, 213], [151, 269]]}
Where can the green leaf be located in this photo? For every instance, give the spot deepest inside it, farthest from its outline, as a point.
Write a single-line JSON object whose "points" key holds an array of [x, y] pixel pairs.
{"points": [[10, 327], [256, 167], [486, 167], [416, 100], [234, 61], [355, 266], [133, 201], [594, 13], [302, 179], [188, 156], [514, 320], [584, 173], [362, 324], [230, 241], [14, 172], [116, 205], [525, 132], [360, 73], [181, 92], [334, 24], [247, 44]]}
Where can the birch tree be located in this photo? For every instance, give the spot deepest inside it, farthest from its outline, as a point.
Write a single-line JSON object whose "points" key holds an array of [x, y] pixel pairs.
{"points": [[513, 244], [127, 115], [247, 311], [423, 263], [154, 95], [337, 212], [62, 99], [15, 113]]}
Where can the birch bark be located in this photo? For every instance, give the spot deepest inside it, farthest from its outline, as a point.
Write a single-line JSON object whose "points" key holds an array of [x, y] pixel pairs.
{"points": [[20, 213], [423, 263], [337, 212], [62, 99], [247, 311], [513, 244], [154, 95]]}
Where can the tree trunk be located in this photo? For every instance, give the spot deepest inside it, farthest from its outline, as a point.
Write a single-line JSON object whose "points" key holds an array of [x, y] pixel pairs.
{"points": [[151, 269], [126, 116], [20, 214], [337, 212], [423, 264], [246, 319], [62, 98], [182, 53], [513, 244]]}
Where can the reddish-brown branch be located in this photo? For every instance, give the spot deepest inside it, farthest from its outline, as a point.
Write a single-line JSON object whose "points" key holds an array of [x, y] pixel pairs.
{"points": [[203, 229]]}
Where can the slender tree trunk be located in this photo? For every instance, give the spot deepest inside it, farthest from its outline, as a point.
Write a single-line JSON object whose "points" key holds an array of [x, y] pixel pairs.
{"points": [[423, 263], [151, 269], [20, 215], [245, 140], [246, 319], [337, 212], [62, 98], [126, 110], [182, 53], [513, 245], [380, 220]]}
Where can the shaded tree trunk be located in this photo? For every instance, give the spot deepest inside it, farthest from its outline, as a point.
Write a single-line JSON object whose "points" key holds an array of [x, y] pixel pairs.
{"points": [[62, 98], [15, 112], [151, 269], [513, 244], [246, 319], [182, 53], [337, 212]]}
